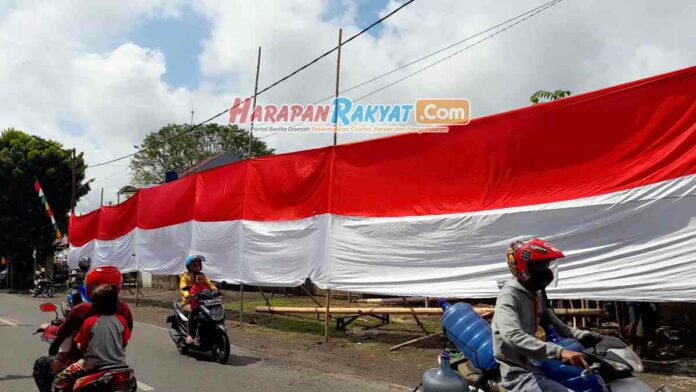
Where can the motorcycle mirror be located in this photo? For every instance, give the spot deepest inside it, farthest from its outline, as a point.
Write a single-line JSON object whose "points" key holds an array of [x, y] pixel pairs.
{"points": [[47, 307]]}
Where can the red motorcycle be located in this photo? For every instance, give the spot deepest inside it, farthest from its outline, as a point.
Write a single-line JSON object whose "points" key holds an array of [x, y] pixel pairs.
{"points": [[112, 379]]}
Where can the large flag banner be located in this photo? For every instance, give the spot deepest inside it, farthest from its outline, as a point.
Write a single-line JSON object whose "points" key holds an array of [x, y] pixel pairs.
{"points": [[608, 176]]}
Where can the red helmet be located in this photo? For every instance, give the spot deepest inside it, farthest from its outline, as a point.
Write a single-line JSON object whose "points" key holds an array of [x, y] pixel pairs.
{"points": [[525, 255], [104, 274]]}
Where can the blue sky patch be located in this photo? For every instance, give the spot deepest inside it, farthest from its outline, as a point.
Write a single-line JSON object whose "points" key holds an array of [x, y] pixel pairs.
{"points": [[179, 39], [368, 13]]}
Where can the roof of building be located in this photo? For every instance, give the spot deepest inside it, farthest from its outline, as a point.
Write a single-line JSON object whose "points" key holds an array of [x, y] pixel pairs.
{"points": [[211, 162]]}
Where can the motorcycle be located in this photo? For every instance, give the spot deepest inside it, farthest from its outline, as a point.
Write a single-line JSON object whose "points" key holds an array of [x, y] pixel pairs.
{"points": [[43, 288], [613, 366], [75, 296], [612, 363], [211, 327], [105, 379]]}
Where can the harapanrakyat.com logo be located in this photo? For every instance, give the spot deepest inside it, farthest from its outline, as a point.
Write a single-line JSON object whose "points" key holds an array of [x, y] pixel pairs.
{"points": [[431, 115]]}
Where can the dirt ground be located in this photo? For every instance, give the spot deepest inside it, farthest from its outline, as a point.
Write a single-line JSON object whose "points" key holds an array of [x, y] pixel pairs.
{"points": [[363, 349]]}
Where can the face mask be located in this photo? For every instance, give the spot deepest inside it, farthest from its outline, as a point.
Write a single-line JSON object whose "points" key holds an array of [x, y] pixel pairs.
{"points": [[540, 279]]}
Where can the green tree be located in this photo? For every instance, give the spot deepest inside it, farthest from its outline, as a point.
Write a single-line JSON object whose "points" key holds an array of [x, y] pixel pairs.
{"points": [[544, 95], [24, 223], [165, 152]]}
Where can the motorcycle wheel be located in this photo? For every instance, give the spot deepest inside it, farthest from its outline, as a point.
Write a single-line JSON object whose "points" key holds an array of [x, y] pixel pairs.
{"points": [[174, 334], [134, 386], [50, 291], [221, 347]]}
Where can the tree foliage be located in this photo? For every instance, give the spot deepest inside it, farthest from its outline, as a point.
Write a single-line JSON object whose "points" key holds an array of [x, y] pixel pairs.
{"points": [[544, 95], [24, 223], [164, 152]]}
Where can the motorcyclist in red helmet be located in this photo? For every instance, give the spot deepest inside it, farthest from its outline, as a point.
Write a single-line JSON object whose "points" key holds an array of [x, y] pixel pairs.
{"points": [[45, 368], [519, 311]]}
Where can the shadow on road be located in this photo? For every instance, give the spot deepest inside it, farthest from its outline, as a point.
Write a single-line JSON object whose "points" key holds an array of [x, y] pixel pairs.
{"points": [[241, 360], [11, 377], [234, 360]]}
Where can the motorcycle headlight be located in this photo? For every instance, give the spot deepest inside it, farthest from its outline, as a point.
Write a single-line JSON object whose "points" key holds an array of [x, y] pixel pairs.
{"points": [[618, 366], [629, 356], [217, 314]]}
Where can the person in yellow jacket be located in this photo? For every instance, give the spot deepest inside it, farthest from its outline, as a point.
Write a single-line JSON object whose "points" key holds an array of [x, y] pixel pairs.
{"points": [[194, 264]]}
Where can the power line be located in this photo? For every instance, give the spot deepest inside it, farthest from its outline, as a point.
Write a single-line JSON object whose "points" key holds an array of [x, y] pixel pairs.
{"points": [[112, 175], [525, 15], [295, 72], [91, 202], [459, 51], [544, 6]]}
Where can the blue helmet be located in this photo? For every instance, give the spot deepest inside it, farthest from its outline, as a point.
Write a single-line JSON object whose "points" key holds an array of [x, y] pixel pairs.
{"points": [[191, 259]]}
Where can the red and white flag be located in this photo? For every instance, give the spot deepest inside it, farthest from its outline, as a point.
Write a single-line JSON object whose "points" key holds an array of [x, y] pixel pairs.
{"points": [[608, 176]]}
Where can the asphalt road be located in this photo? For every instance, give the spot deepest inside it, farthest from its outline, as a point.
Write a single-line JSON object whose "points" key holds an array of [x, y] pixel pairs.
{"points": [[158, 366]]}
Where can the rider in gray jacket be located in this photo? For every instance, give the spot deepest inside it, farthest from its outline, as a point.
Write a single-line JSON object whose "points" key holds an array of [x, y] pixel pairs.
{"points": [[520, 310]]}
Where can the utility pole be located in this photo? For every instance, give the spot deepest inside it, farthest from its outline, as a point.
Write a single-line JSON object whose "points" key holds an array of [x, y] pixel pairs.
{"points": [[256, 90], [338, 73], [101, 202]]}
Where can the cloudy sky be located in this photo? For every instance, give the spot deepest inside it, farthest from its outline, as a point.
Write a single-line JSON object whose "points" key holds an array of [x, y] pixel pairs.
{"points": [[99, 75]]}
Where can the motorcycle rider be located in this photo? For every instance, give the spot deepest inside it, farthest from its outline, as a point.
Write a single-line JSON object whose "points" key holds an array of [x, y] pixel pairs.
{"points": [[194, 265], [102, 339], [77, 275], [40, 278], [77, 278], [519, 311], [45, 368]]}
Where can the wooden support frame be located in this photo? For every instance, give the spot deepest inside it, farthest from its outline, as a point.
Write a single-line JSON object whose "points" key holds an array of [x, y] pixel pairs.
{"points": [[312, 298], [268, 303], [422, 327], [343, 322]]}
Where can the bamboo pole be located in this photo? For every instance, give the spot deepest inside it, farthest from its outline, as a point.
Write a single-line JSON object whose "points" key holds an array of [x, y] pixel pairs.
{"points": [[583, 320], [414, 341], [415, 317], [137, 287], [241, 303], [268, 303], [326, 316], [256, 92], [338, 74], [619, 318], [385, 301], [432, 311], [311, 297]]}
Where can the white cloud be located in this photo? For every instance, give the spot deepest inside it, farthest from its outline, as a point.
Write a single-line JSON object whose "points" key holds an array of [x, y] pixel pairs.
{"points": [[62, 75]]}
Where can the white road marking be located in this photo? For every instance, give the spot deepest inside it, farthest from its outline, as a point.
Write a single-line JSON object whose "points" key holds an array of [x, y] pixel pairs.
{"points": [[7, 322], [145, 387], [153, 326]]}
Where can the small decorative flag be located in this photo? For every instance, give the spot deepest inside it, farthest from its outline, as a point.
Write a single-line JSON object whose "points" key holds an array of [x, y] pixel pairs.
{"points": [[44, 201]]}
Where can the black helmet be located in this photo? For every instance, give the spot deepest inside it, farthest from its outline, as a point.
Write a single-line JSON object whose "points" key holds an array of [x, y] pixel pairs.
{"points": [[84, 263]]}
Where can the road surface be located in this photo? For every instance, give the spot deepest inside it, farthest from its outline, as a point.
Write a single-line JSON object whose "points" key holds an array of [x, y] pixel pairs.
{"points": [[158, 366]]}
